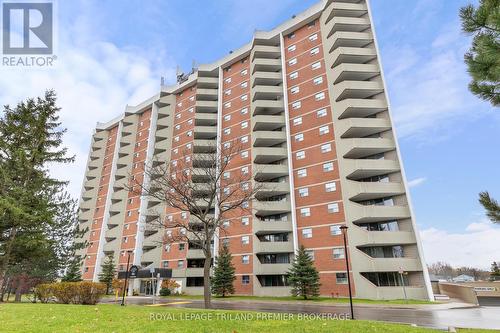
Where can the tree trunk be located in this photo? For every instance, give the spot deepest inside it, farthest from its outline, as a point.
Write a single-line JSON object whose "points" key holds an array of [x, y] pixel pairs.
{"points": [[206, 280], [6, 256]]}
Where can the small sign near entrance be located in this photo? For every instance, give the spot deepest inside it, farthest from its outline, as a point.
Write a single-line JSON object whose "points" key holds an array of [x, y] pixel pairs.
{"points": [[132, 273]]}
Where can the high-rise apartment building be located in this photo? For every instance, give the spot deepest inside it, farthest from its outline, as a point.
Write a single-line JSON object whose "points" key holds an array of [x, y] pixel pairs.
{"points": [[308, 103]]}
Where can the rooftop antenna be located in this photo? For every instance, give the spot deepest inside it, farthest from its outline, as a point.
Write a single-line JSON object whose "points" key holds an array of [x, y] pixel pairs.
{"points": [[162, 81], [194, 66]]}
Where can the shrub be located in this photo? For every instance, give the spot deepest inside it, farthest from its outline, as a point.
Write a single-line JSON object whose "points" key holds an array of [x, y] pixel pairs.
{"points": [[90, 292], [165, 292], [44, 292], [65, 292]]}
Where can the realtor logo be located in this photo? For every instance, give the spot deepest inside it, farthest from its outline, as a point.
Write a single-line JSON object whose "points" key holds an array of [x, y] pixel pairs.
{"points": [[27, 28]]}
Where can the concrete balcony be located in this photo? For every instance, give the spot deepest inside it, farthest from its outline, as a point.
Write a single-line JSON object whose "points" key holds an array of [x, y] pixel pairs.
{"points": [[97, 154], [128, 138], [111, 246], [115, 232], [204, 146], [117, 207], [273, 247], [195, 254], [369, 264], [362, 127], [268, 138], [356, 89], [348, 39], [205, 132], [161, 157], [205, 119], [95, 163], [373, 213], [351, 55], [363, 147], [153, 255], [266, 92], [269, 189], [266, 51], [345, 9], [166, 100], [122, 172], [95, 172], [193, 272], [207, 94], [117, 218], [363, 168], [120, 195], [364, 237], [263, 227], [262, 107], [153, 240], [359, 191], [87, 205], [266, 78], [208, 82], [100, 135], [206, 106], [163, 133], [265, 155], [265, 208], [93, 182], [351, 24], [270, 269], [359, 108], [90, 193], [125, 159], [85, 215], [164, 122], [268, 122], [354, 72], [200, 174], [265, 65], [263, 172]]}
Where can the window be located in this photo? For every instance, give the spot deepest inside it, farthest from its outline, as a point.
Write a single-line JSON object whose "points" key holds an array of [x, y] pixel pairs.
{"points": [[307, 233], [244, 204], [227, 117], [227, 92], [316, 65], [341, 278], [165, 264], [310, 253], [324, 130], [314, 51], [300, 155], [180, 264], [245, 220], [244, 154], [319, 96], [330, 187], [226, 223], [244, 72], [244, 111], [333, 208], [244, 170], [328, 167], [302, 173], [297, 121], [245, 240], [227, 131], [167, 248], [188, 146], [313, 37], [188, 158], [311, 24], [184, 215], [125, 239], [191, 110], [245, 259], [245, 186], [225, 242], [326, 148], [292, 62], [179, 104], [294, 75], [303, 192], [227, 174], [245, 279], [321, 113], [174, 163], [338, 253], [176, 150], [190, 122], [292, 48], [227, 145], [244, 124], [294, 90], [177, 127], [228, 80], [244, 84], [299, 137], [176, 139], [291, 35], [182, 246], [244, 97], [244, 139], [296, 105], [305, 212], [129, 213]]}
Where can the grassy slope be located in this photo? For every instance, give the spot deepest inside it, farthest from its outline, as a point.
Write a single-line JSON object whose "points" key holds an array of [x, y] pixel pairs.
{"points": [[42, 318]]}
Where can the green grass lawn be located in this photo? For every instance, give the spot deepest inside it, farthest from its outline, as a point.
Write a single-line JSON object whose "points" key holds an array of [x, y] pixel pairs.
{"points": [[40, 318], [315, 300]]}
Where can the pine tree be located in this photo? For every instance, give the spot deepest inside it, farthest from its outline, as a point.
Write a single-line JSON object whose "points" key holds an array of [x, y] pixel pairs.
{"points": [[303, 277], [483, 59], [495, 272], [73, 273], [491, 205], [222, 281], [108, 272]]}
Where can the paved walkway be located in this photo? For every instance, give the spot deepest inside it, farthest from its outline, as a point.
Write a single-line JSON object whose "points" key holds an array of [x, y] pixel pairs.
{"points": [[429, 315]]}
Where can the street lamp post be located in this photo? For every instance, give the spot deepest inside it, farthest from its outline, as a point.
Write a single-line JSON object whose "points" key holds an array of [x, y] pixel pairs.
{"points": [[344, 232], [126, 278]]}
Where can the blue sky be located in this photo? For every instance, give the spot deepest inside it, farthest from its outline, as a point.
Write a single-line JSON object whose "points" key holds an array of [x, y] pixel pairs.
{"points": [[111, 53]]}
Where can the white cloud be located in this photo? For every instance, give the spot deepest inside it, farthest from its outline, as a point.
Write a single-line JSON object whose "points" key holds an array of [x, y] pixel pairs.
{"points": [[476, 246], [94, 81], [416, 182]]}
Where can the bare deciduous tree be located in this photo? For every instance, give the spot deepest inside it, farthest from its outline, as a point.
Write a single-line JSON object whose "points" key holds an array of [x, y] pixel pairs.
{"points": [[208, 186]]}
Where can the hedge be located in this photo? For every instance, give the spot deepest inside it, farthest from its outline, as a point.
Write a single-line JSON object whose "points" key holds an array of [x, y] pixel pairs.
{"points": [[83, 292]]}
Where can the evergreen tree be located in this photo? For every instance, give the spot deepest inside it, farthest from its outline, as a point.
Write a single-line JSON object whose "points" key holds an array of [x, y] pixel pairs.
{"points": [[303, 277], [491, 205], [483, 58], [495, 272], [30, 220], [73, 273], [222, 281], [108, 272]]}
